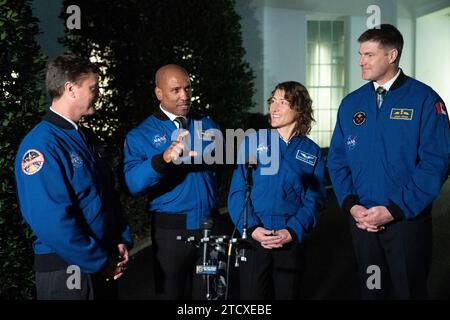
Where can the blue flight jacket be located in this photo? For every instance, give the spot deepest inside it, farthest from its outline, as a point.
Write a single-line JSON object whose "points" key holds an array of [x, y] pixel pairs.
{"points": [[189, 189], [288, 199], [396, 156], [66, 195]]}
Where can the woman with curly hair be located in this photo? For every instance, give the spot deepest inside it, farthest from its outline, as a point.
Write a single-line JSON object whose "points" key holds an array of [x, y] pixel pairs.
{"points": [[284, 203]]}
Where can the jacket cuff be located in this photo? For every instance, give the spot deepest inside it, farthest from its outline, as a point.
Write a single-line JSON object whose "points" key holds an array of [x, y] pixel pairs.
{"points": [[349, 202], [395, 211], [160, 165], [250, 230], [293, 234]]}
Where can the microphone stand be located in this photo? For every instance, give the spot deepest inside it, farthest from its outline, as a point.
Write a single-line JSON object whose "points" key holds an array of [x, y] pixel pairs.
{"points": [[248, 190], [207, 226]]}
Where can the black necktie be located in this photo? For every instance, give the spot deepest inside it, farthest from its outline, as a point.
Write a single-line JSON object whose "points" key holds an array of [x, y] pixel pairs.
{"points": [[181, 122], [381, 92]]}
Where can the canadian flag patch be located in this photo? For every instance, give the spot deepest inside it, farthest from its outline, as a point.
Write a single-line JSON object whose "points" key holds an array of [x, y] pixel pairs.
{"points": [[440, 107]]}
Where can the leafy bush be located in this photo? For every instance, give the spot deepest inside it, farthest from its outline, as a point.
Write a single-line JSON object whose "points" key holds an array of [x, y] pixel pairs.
{"points": [[21, 104]]}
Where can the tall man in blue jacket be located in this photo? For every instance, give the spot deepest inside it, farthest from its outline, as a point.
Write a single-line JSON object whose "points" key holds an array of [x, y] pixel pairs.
{"points": [[388, 159], [66, 193], [181, 190]]}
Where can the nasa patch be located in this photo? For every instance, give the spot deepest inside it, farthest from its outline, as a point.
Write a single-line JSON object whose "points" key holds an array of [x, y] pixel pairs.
{"points": [[359, 118], [32, 161], [351, 142], [159, 140], [77, 161], [262, 148]]}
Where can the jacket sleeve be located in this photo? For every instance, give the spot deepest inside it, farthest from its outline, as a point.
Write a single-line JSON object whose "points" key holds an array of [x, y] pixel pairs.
{"points": [[431, 170], [45, 199], [143, 165], [339, 169], [313, 202]]}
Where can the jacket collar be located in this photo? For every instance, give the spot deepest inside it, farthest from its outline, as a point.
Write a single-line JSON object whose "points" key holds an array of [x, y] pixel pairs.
{"points": [[160, 115], [399, 81], [57, 120]]}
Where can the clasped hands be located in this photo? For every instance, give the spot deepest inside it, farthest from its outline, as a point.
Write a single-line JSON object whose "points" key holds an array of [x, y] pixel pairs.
{"points": [[371, 220], [271, 239]]}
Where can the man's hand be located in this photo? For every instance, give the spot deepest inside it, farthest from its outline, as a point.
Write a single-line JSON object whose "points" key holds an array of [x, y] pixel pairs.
{"points": [[358, 212], [285, 235], [177, 148], [376, 218], [116, 265], [122, 260]]}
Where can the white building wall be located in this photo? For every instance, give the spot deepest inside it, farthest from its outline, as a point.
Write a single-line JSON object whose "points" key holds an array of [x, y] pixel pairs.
{"points": [[432, 53], [284, 47]]}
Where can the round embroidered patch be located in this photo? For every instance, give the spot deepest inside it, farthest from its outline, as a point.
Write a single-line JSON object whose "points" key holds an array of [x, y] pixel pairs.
{"points": [[359, 118], [32, 162]]}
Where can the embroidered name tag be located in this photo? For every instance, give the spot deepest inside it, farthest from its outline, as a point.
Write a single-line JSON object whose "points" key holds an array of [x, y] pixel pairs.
{"points": [[401, 114], [306, 157]]}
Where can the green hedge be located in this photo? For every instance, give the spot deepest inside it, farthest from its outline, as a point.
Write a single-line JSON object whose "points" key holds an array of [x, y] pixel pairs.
{"points": [[21, 106]]}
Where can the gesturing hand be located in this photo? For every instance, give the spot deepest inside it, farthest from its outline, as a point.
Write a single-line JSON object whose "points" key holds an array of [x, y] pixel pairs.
{"points": [[177, 148]]}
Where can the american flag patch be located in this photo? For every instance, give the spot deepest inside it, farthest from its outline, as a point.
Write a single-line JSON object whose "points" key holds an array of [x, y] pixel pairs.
{"points": [[440, 107]]}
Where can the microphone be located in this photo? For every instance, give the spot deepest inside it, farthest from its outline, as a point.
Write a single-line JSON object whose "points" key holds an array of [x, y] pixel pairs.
{"points": [[207, 227]]}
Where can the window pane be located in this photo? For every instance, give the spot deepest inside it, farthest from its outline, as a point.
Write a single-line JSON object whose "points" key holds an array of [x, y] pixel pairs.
{"points": [[325, 31], [313, 75], [325, 52], [313, 31], [337, 72], [313, 96], [338, 31], [337, 53], [313, 53], [336, 96], [324, 97], [325, 75]]}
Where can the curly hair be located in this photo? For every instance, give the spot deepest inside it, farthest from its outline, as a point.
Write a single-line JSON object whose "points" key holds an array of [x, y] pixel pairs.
{"points": [[300, 101]]}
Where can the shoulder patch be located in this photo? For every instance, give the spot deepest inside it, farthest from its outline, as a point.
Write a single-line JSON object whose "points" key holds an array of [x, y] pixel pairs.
{"points": [[359, 118], [441, 108], [32, 161]]}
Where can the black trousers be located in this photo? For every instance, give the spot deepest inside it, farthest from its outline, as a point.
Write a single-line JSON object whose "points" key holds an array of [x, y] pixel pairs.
{"points": [[403, 254], [271, 274], [52, 285], [175, 261]]}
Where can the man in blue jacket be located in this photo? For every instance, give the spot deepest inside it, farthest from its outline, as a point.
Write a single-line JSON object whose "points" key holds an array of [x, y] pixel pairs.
{"points": [[66, 193], [180, 185], [388, 159]]}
